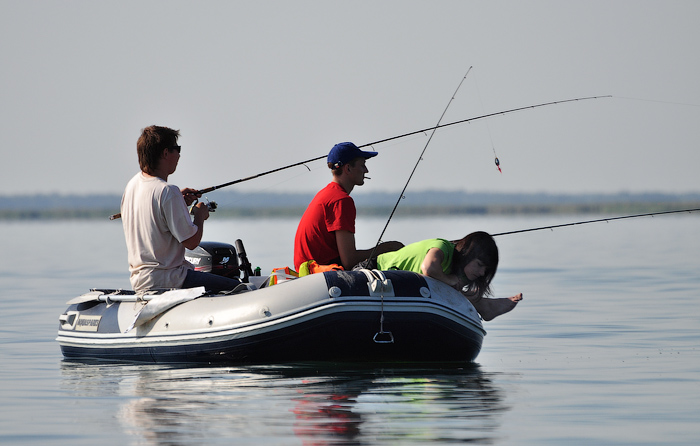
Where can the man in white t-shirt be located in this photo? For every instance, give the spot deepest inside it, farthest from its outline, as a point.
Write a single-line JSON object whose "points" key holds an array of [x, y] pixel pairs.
{"points": [[157, 223]]}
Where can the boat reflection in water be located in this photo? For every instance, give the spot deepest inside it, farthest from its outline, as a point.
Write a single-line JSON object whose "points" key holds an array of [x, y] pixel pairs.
{"points": [[315, 403]]}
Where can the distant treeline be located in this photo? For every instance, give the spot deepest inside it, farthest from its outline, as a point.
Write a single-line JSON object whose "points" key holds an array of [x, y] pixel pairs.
{"points": [[422, 203]]}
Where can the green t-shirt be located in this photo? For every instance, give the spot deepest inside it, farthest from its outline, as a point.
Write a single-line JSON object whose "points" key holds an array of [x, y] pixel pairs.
{"points": [[410, 257]]}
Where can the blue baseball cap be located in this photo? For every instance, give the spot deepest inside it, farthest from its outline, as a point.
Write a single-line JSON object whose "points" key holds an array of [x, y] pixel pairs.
{"points": [[344, 152]]}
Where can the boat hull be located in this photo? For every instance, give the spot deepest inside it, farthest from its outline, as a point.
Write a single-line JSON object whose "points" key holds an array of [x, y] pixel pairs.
{"points": [[334, 316]]}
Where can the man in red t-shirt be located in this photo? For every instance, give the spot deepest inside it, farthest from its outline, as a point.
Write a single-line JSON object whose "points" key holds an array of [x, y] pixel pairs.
{"points": [[326, 232]]}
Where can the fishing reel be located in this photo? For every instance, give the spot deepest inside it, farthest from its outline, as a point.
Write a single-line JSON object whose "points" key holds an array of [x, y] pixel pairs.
{"points": [[210, 204]]}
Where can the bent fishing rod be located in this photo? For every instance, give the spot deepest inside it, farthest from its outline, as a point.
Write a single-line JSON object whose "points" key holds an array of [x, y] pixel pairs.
{"points": [[436, 127], [599, 220], [439, 126]]}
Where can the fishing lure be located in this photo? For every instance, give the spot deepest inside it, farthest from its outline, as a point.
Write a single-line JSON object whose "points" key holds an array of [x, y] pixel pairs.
{"points": [[498, 164]]}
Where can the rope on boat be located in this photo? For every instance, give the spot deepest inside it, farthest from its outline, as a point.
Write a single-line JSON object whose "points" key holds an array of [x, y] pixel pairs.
{"points": [[381, 337]]}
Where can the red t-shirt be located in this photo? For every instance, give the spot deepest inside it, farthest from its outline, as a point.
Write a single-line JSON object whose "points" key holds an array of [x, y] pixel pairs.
{"points": [[331, 210]]}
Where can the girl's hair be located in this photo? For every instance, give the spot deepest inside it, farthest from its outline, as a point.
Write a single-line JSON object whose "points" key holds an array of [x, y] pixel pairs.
{"points": [[477, 245]]}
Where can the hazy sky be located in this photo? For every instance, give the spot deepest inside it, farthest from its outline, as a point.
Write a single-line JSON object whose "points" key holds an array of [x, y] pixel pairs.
{"points": [[256, 85]]}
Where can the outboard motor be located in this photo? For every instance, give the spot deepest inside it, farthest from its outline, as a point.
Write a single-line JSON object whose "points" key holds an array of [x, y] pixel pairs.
{"points": [[216, 258]]}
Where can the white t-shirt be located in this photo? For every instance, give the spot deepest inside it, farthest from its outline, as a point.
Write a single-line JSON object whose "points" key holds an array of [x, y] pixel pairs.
{"points": [[156, 221]]}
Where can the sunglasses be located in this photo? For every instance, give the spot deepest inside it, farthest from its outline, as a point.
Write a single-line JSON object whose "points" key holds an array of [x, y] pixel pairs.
{"points": [[175, 148]]}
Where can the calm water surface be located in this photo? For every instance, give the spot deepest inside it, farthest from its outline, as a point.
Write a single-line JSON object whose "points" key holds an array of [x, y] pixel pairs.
{"points": [[605, 348]]}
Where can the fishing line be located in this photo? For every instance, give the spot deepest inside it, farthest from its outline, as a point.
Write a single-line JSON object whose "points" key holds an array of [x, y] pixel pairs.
{"points": [[657, 101], [609, 219], [420, 158], [488, 128]]}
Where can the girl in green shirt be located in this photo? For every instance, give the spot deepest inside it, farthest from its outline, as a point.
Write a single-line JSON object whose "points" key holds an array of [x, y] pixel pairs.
{"points": [[468, 265]]}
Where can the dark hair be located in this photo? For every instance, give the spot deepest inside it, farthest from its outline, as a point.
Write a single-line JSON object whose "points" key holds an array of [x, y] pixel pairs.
{"points": [[477, 245], [337, 169], [151, 143]]}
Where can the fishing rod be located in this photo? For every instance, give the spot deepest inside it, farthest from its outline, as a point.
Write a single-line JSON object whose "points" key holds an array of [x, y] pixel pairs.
{"points": [[609, 219], [430, 138], [438, 126], [504, 112], [484, 116], [381, 334]]}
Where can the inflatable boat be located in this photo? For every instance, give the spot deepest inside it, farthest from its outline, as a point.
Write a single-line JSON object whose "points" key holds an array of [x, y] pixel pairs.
{"points": [[354, 316]]}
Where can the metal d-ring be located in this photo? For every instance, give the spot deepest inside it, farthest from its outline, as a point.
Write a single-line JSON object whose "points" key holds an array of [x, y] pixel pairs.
{"points": [[382, 337]]}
